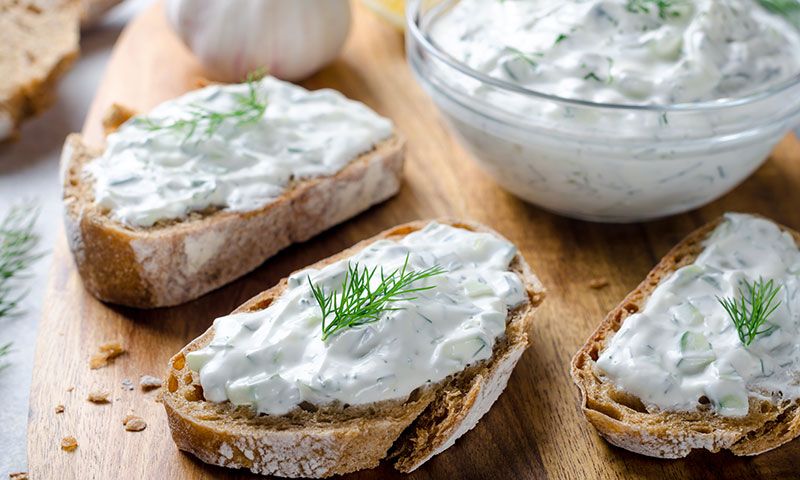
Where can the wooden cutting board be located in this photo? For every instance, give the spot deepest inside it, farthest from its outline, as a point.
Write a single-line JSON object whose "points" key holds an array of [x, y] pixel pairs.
{"points": [[535, 430]]}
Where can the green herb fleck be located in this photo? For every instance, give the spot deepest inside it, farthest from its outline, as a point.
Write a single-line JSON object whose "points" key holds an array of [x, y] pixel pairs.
{"points": [[666, 8], [526, 57], [249, 109], [752, 309], [358, 303], [790, 9], [592, 76]]}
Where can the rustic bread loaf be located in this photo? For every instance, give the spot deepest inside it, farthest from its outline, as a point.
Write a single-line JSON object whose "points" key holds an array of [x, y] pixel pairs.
{"points": [[40, 42], [329, 440], [173, 262], [625, 421]]}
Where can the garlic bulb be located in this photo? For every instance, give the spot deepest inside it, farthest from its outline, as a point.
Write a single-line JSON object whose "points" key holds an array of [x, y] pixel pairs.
{"points": [[290, 39]]}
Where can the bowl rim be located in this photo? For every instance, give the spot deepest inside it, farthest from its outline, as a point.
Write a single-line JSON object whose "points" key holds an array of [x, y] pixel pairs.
{"points": [[414, 31]]}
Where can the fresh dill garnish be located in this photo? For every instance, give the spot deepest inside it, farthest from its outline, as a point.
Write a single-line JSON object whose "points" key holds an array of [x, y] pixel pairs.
{"points": [[752, 309], [4, 350], [17, 244], [249, 109], [359, 303], [666, 8], [789, 9]]}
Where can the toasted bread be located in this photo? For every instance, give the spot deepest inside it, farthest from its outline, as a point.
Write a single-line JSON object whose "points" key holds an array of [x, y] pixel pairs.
{"points": [[625, 421], [175, 261], [40, 41], [329, 440]]}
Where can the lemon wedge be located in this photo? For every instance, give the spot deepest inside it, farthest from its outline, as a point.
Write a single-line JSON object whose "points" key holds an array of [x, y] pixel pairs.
{"points": [[391, 10]]}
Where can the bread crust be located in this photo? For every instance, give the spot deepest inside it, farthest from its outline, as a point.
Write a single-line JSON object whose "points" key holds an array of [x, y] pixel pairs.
{"points": [[624, 421], [322, 444], [175, 262]]}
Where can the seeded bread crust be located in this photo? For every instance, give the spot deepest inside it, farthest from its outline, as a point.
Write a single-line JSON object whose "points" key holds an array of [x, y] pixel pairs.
{"points": [[626, 422], [177, 261], [39, 41], [336, 439]]}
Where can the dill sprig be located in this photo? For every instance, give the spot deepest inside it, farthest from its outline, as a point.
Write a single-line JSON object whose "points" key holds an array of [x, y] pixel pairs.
{"points": [[17, 244], [358, 303], [752, 309], [789, 9], [4, 350], [249, 109]]}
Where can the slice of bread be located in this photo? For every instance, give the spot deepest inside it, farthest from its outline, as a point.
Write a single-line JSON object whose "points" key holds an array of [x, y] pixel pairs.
{"points": [[40, 42], [329, 440], [626, 422], [173, 262]]}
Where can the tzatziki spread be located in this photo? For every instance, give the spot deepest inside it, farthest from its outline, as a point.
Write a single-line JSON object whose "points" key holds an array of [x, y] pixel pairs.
{"points": [[624, 51], [275, 359], [590, 108], [682, 348], [150, 174]]}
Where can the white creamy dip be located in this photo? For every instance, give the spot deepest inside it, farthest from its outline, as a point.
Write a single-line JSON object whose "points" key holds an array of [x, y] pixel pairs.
{"points": [[148, 175], [683, 345], [624, 51], [486, 64], [274, 359]]}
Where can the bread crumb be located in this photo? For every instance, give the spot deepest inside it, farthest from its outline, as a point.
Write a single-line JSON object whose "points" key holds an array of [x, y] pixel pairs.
{"points": [[598, 283], [59, 408], [69, 444], [99, 396], [134, 424], [18, 476], [149, 382], [105, 354], [70, 389], [115, 116]]}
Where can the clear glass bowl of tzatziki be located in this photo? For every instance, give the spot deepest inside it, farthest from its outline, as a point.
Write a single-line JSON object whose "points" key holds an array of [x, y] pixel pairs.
{"points": [[611, 110]]}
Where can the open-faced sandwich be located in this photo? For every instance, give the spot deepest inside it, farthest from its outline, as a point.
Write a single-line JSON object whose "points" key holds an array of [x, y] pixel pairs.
{"points": [[204, 188], [705, 353], [39, 43], [391, 349]]}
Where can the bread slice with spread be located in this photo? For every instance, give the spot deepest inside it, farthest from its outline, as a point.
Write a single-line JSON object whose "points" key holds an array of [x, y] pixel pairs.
{"points": [[704, 353], [281, 388], [40, 42], [204, 188]]}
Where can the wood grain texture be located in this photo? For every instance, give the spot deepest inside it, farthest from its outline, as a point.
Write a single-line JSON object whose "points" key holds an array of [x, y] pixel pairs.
{"points": [[535, 431]]}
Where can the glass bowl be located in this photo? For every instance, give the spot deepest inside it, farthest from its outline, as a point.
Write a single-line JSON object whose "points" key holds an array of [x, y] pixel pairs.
{"points": [[596, 161]]}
